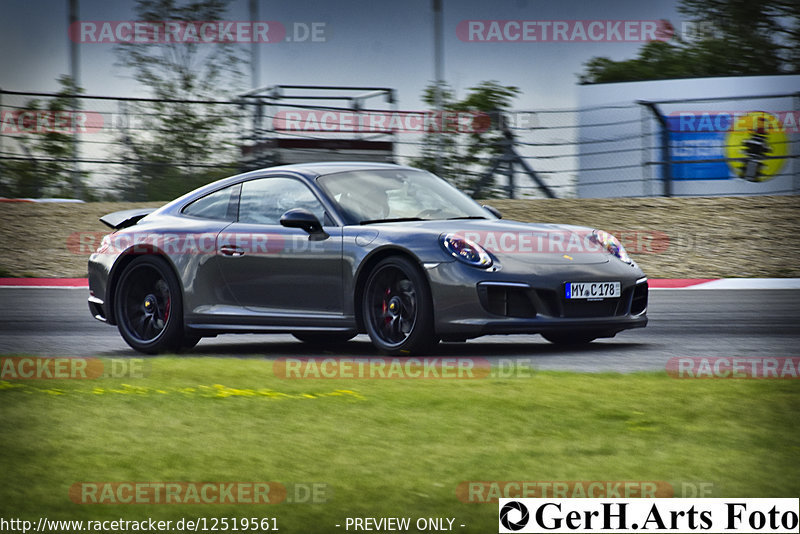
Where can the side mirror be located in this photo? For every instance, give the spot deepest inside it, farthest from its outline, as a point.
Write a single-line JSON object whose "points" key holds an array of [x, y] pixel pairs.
{"points": [[302, 218], [493, 211]]}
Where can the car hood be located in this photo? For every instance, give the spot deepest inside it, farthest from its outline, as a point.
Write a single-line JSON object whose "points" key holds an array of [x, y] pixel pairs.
{"points": [[511, 242]]}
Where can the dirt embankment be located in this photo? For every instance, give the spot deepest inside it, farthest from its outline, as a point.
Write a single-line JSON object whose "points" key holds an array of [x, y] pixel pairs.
{"points": [[668, 237], [687, 237], [53, 240]]}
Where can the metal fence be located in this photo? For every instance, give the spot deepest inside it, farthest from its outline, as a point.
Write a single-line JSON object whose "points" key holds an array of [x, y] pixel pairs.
{"points": [[97, 147], [105, 147]]}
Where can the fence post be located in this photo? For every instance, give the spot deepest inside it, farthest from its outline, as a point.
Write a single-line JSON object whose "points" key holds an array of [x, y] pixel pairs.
{"points": [[666, 157], [77, 185], [647, 169]]}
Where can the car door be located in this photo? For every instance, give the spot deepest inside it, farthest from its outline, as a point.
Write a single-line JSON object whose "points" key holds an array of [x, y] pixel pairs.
{"points": [[192, 248], [274, 270]]}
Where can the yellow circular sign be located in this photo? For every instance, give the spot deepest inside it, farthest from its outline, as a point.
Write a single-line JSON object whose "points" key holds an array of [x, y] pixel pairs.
{"points": [[755, 146]]}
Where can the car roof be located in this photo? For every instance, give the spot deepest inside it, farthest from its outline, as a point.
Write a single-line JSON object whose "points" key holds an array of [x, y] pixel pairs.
{"points": [[328, 167], [308, 170]]}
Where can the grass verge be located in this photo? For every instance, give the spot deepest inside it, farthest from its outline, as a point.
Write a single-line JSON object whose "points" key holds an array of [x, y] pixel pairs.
{"points": [[383, 447]]}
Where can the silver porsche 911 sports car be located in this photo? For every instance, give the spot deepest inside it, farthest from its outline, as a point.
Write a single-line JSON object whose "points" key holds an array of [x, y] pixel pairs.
{"points": [[326, 251]]}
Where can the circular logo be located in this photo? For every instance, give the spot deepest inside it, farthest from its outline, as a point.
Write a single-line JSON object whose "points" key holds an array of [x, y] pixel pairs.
{"points": [[523, 513], [755, 146]]}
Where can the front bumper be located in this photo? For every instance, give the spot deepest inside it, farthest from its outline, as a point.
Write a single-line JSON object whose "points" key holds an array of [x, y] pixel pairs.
{"points": [[469, 302]]}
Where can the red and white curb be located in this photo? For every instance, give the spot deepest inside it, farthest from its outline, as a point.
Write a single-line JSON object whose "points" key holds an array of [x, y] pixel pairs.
{"points": [[654, 283], [43, 200], [68, 283], [724, 283]]}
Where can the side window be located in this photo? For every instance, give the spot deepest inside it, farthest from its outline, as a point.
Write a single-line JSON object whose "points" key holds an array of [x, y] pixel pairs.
{"points": [[219, 205], [264, 201]]}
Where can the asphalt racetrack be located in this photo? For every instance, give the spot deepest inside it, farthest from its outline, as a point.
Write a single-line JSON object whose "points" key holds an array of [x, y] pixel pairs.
{"points": [[699, 323]]}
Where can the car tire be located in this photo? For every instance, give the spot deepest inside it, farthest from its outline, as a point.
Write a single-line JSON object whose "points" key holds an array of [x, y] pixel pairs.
{"points": [[148, 306], [569, 338], [324, 338], [397, 307]]}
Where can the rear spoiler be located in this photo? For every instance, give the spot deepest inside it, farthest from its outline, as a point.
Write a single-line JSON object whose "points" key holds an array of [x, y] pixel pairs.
{"points": [[125, 218]]}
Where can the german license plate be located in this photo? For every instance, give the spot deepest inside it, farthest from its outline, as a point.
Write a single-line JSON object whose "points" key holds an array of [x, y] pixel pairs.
{"points": [[592, 290]]}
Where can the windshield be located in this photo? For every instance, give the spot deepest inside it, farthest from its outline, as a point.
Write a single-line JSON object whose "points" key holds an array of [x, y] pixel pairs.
{"points": [[385, 195]]}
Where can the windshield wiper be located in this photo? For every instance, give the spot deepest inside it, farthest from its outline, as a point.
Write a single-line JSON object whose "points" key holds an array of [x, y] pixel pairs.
{"points": [[398, 219], [466, 217]]}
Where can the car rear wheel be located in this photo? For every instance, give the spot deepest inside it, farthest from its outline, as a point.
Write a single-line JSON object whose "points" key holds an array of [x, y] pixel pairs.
{"points": [[149, 308], [569, 338], [397, 307]]}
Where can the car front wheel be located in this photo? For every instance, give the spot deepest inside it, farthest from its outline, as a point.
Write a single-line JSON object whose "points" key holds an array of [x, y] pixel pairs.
{"points": [[397, 307]]}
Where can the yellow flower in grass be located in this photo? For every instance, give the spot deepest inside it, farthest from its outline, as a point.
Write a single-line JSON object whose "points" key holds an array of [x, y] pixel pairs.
{"points": [[139, 390], [217, 391], [5, 384], [272, 394], [348, 392]]}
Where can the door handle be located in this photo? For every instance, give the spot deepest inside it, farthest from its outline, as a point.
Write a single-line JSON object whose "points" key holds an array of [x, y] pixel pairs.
{"points": [[230, 250]]}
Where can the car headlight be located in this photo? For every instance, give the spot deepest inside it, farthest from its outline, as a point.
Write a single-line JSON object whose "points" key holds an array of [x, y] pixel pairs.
{"points": [[611, 244], [467, 251]]}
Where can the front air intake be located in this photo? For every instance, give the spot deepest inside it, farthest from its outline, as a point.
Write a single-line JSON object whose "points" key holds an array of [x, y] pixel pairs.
{"points": [[639, 302], [507, 300]]}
